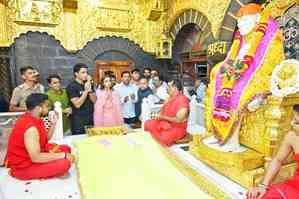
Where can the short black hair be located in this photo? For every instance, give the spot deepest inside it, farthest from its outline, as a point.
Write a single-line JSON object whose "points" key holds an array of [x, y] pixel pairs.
{"points": [[35, 100], [177, 83], [77, 67], [143, 77], [108, 73], [25, 68], [112, 76], [296, 108], [53, 76], [125, 72], [147, 68], [135, 70], [161, 78]]}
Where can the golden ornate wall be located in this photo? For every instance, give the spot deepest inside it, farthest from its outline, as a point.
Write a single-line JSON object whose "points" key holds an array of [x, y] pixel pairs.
{"points": [[75, 22]]}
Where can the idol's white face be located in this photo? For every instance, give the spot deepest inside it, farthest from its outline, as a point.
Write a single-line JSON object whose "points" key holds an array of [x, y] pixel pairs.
{"points": [[247, 23]]}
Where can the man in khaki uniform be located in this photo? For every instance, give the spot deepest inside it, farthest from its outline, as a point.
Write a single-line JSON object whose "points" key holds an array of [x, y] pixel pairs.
{"points": [[21, 92]]}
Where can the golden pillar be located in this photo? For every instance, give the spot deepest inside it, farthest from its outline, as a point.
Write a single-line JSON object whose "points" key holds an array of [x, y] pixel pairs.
{"points": [[70, 27], [3, 24], [273, 134], [70, 24]]}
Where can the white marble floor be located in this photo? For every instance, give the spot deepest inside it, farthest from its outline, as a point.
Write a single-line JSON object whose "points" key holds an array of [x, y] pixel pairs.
{"points": [[56, 188]]}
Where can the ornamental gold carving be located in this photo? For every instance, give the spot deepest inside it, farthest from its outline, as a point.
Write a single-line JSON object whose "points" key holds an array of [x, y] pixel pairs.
{"points": [[279, 7], [3, 25], [36, 11], [213, 10], [155, 9], [110, 19], [89, 19]]}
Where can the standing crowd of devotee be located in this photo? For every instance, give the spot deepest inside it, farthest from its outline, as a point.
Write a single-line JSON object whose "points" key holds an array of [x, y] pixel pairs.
{"points": [[85, 105]]}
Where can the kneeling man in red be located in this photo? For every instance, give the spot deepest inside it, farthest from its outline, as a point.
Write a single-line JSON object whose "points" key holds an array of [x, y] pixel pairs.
{"points": [[29, 155], [170, 124]]}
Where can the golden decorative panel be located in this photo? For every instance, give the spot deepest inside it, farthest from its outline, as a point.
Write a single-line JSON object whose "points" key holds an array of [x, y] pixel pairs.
{"points": [[3, 25], [279, 7], [83, 24], [114, 20], [41, 12], [142, 31], [78, 22], [155, 9], [117, 4], [86, 20]]}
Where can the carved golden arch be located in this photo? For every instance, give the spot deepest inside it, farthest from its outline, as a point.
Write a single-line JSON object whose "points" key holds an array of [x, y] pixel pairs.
{"points": [[192, 16]]}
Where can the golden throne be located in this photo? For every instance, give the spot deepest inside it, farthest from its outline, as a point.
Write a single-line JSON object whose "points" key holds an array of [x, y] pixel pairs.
{"points": [[261, 132]]}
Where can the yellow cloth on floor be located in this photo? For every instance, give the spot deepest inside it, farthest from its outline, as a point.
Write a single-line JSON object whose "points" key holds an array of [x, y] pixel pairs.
{"points": [[130, 167]]}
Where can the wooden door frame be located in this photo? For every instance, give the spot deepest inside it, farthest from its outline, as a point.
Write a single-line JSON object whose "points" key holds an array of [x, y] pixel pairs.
{"points": [[105, 63]]}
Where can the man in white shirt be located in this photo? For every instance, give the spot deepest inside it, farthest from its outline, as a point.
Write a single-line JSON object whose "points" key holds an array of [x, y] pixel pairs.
{"points": [[154, 73], [128, 98], [200, 89], [159, 89]]}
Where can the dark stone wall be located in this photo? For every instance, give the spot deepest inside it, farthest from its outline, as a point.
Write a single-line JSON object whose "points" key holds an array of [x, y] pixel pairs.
{"points": [[184, 41], [5, 81], [46, 54]]}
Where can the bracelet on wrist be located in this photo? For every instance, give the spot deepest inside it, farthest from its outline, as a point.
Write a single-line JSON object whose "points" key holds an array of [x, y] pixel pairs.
{"points": [[261, 185]]}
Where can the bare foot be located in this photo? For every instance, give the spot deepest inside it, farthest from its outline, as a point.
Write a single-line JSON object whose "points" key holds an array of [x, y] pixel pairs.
{"points": [[65, 176], [220, 142]]}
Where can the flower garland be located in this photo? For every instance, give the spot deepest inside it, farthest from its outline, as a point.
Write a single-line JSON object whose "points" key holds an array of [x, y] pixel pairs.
{"points": [[285, 78], [233, 69]]}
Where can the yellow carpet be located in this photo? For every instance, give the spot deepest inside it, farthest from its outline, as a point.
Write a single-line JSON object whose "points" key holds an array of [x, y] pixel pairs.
{"points": [[130, 167]]}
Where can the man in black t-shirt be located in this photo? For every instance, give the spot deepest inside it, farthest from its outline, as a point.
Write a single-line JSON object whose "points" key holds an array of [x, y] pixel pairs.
{"points": [[82, 98]]}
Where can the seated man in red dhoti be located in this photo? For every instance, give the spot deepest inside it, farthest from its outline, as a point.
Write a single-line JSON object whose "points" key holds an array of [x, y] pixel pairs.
{"points": [[290, 188], [29, 155], [170, 124]]}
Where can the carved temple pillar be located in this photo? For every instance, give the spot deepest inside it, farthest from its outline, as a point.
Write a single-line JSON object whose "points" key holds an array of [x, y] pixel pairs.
{"points": [[273, 133], [70, 24], [3, 25]]}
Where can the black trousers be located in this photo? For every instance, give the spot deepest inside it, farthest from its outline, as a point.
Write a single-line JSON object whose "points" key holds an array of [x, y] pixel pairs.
{"points": [[80, 122], [132, 120]]}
